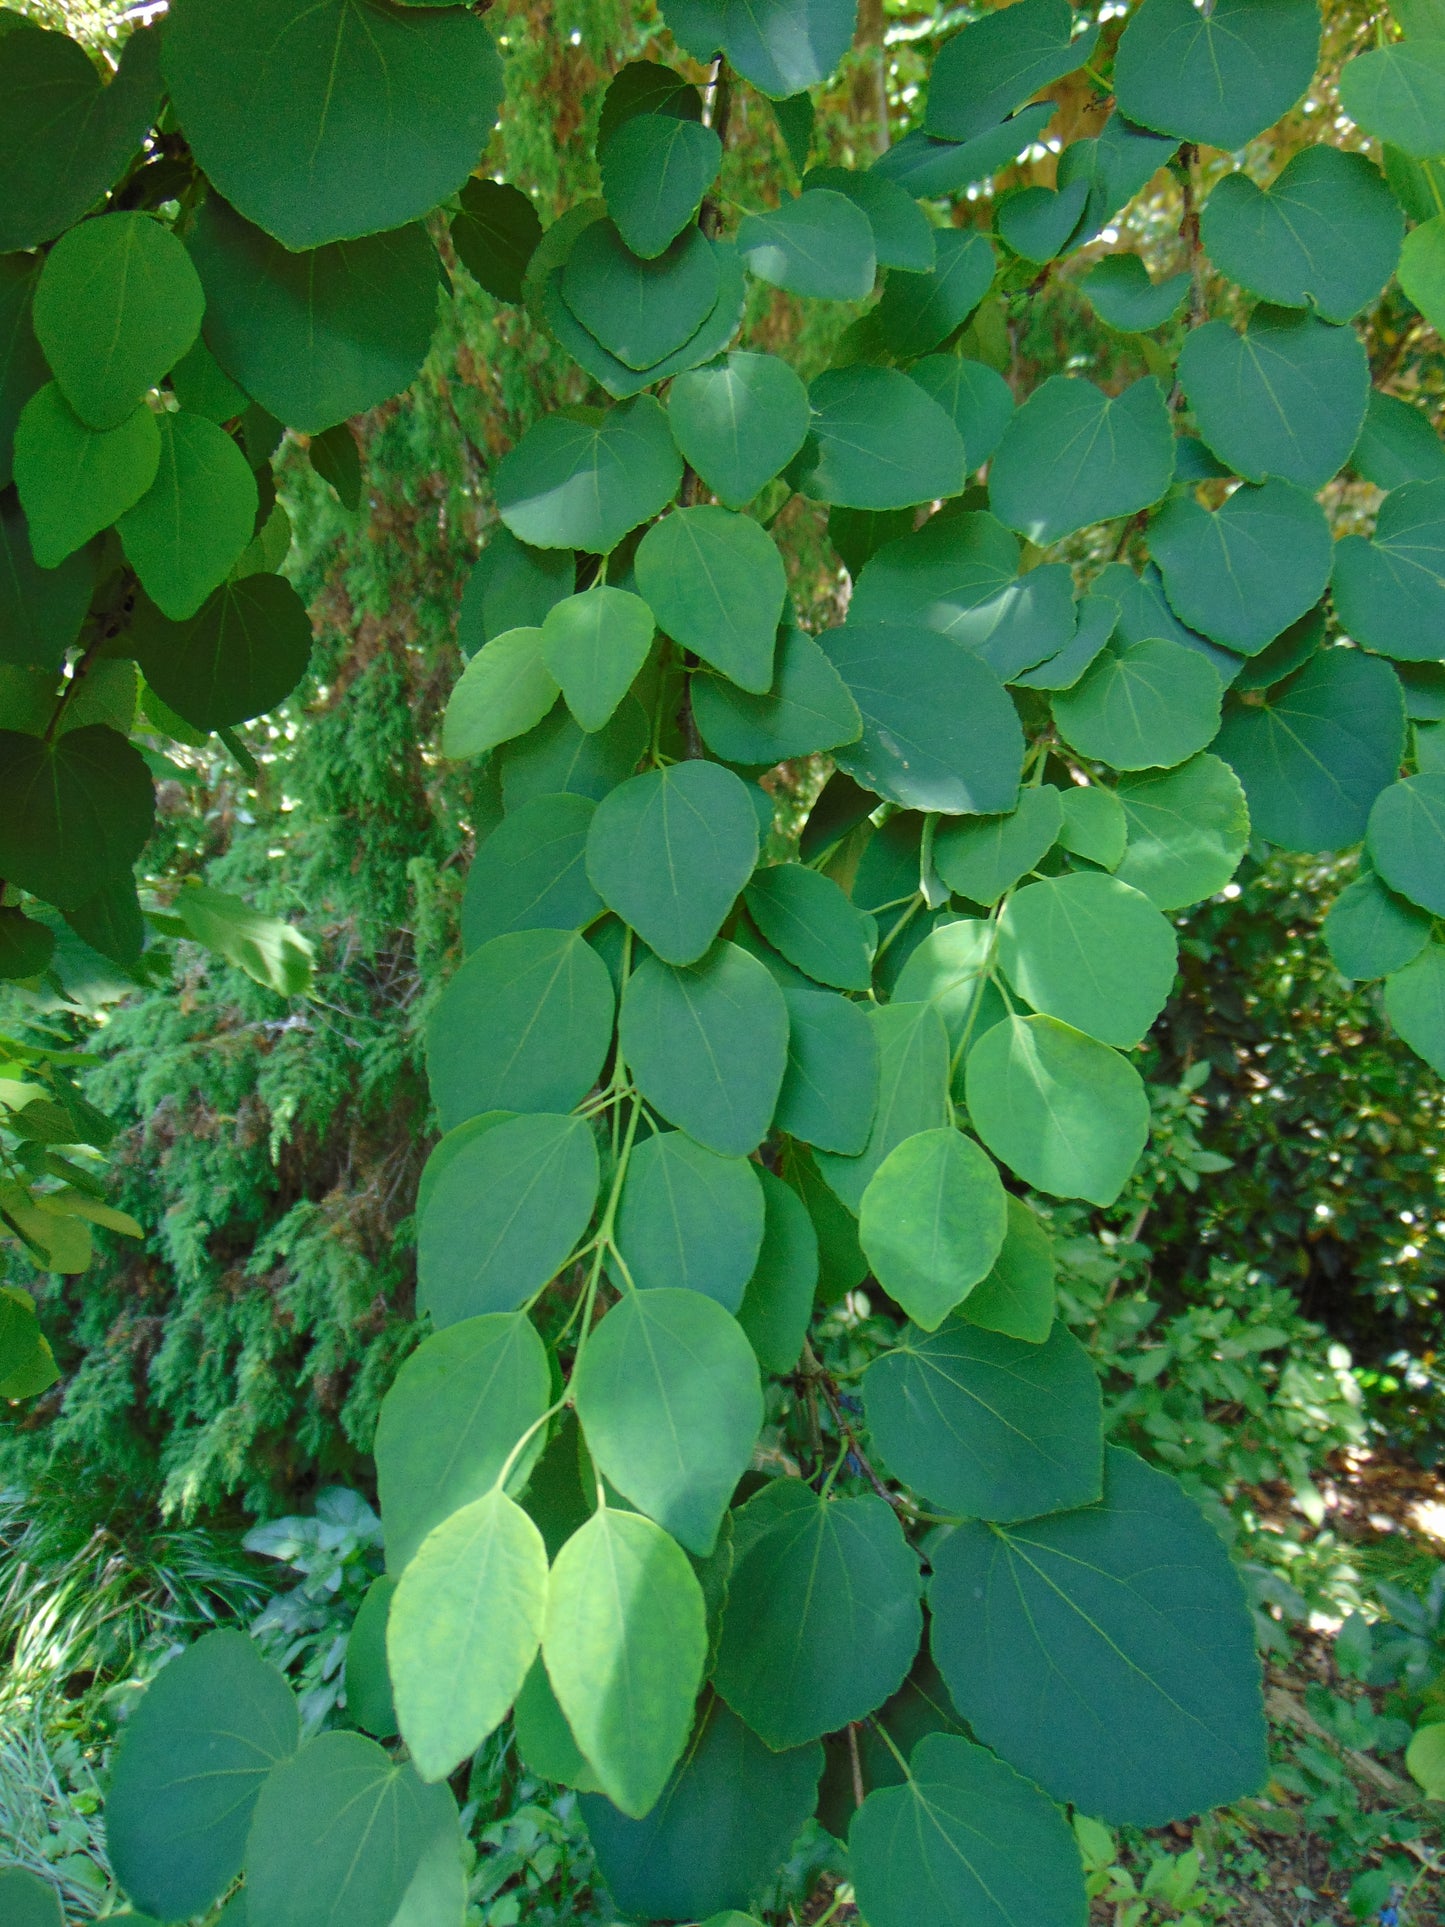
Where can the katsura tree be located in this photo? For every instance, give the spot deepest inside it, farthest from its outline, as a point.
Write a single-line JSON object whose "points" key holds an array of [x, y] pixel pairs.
{"points": [[696, 1076]]}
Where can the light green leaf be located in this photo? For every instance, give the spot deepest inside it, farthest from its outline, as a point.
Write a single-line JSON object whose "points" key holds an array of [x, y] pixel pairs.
{"points": [[581, 485], [75, 812], [1188, 828], [321, 335], [830, 1086], [202, 386], [1314, 756], [668, 1394], [1017, 1297], [1218, 78], [716, 583], [531, 872], [966, 1842], [778, 1304], [913, 1063], [1389, 592], [918, 311], [1406, 839], [806, 916], [1073, 455], [1415, 1005], [819, 244], [1372, 932], [822, 1619], [1135, 1602], [982, 857], [75, 481], [1324, 234], [464, 1628], [116, 306], [523, 1026], [1091, 951], [807, 709], [1065, 1112], [624, 1644], [640, 310], [670, 850], [270, 951], [1425, 1758], [878, 441], [457, 1408], [932, 1222], [949, 969], [368, 1684], [504, 690], [258, 97], [1397, 93], [995, 65], [593, 646], [986, 1425], [1123, 296], [690, 1219], [707, 1046], [191, 1762], [27, 1365], [186, 531], [1154, 704], [738, 422], [655, 170], [1094, 825]]}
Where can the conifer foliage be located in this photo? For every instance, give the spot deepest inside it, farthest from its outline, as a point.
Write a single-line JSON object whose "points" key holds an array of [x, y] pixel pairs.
{"points": [[689, 1077]]}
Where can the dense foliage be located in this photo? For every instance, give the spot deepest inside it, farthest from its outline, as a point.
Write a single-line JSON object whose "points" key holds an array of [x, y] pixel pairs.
{"points": [[699, 1074]]}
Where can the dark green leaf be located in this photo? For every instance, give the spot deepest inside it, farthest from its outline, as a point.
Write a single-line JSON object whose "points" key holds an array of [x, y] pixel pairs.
{"points": [[1247, 570], [1415, 1005], [807, 709], [368, 1684], [25, 950], [738, 422], [73, 480], [578, 485], [546, 1743], [1371, 932], [690, 1219], [41, 610], [202, 386], [928, 168], [1187, 828], [1124, 297], [1036, 222], [655, 170], [830, 1086], [913, 1063], [593, 646], [640, 310], [982, 857], [807, 917], [820, 244], [337, 460], [1073, 455], [778, 1304], [783, 48], [918, 311], [716, 583], [511, 586], [997, 63], [530, 873], [28, 1901], [878, 441], [645, 87], [495, 234], [1218, 78], [22, 366], [1017, 1297], [902, 234], [1406, 839], [243, 651], [1390, 591], [1397, 444], [75, 813], [977, 400]]}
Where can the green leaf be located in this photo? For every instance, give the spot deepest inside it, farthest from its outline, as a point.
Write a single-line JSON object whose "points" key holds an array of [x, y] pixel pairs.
{"points": [[939, 731], [1123, 296], [504, 690], [878, 441], [1415, 1005], [1397, 444], [116, 306], [1422, 270], [22, 366], [959, 574], [270, 951], [928, 168], [1398, 94], [913, 1067], [1094, 825], [1425, 1758], [1371, 932], [949, 969], [524, 1025], [75, 813], [511, 586], [716, 583], [1406, 839], [996, 64], [655, 170], [822, 1618], [807, 917], [1317, 752], [982, 857], [190, 1764], [1134, 1602], [1065, 1112], [74, 481], [807, 709], [202, 386], [368, 1683], [932, 1222], [966, 1842], [41, 610], [259, 99], [27, 1365], [977, 400], [64, 137], [243, 651], [1286, 398], [1073, 455], [670, 850], [918, 311], [640, 310], [819, 244], [783, 48], [903, 237], [321, 335], [546, 1743], [504, 1215], [1188, 828], [1155, 704], [728, 1816], [1324, 234], [624, 1644], [668, 1394], [339, 1832], [1389, 592], [464, 1628], [1091, 951], [530, 874], [691, 1219], [778, 1304], [457, 1408], [579, 485], [1218, 78], [1246, 571], [593, 646], [986, 1425], [1037, 222], [1017, 1297], [830, 1086], [707, 1046], [28, 1901], [739, 421], [186, 531], [495, 233]]}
